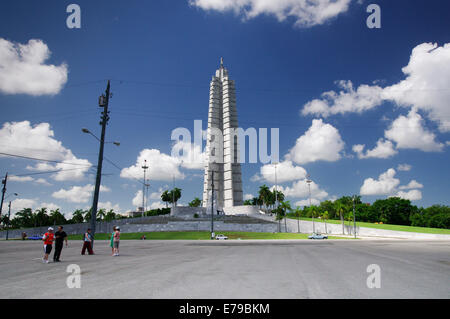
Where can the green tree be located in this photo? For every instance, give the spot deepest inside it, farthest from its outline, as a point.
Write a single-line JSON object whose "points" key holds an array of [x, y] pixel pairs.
{"points": [[78, 216], [196, 202], [298, 214], [56, 217], [110, 215], [41, 218], [166, 197], [284, 208], [87, 215], [23, 218], [395, 210], [340, 209], [175, 195], [101, 214], [325, 216], [264, 195]]}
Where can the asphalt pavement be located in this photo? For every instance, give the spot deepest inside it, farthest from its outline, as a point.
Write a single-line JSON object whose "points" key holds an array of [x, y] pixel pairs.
{"points": [[231, 269]]}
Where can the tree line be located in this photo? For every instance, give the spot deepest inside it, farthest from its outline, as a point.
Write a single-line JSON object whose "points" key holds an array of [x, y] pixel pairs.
{"points": [[27, 218], [393, 210]]}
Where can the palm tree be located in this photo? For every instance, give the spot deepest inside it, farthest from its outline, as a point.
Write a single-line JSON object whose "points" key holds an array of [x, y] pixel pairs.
{"points": [[297, 212], [101, 214], [78, 216], [325, 217], [41, 217], [175, 195], [264, 195], [340, 211], [196, 202], [57, 217], [110, 215], [166, 197], [87, 215], [285, 207]]}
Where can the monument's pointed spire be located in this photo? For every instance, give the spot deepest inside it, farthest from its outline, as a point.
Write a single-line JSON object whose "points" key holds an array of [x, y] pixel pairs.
{"points": [[221, 62]]}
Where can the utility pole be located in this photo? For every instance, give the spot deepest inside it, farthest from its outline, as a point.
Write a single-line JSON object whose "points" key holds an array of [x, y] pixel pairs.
{"points": [[173, 193], [102, 102], [312, 211], [276, 200], [9, 216], [354, 218], [144, 167], [212, 205], [147, 185], [3, 192]]}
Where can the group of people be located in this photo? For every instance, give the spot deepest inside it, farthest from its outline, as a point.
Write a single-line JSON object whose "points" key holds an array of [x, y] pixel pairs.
{"points": [[60, 236]]}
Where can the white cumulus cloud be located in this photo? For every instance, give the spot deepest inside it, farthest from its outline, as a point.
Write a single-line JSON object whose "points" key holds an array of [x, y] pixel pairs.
{"points": [[299, 189], [161, 167], [412, 184], [412, 195], [408, 132], [425, 88], [305, 12], [286, 171], [383, 149], [404, 167], [23, 69], [78, 194], [362, 99], [23, 139], [322, 142], [385, 184]]}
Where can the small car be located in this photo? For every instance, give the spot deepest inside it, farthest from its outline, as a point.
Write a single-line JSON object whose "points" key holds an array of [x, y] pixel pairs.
{"points": [[318, 236], [221, 237]]}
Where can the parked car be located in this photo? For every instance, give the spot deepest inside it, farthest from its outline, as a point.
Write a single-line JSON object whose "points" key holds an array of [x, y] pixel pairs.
{"points": [[318, 236], [221, 237]]}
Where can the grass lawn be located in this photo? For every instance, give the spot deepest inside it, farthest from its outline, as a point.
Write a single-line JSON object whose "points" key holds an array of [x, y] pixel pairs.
{"points": [[193, 235], [412, 229]]}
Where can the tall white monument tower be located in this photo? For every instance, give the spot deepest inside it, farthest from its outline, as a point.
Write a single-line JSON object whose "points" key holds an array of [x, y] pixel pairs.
{"points": [[222, 151]]}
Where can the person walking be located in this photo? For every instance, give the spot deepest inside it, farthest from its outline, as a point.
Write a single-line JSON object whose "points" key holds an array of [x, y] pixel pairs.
{"points": [[60, 237], [48, 239], [87, 243], [116, 241], [112, 241]]}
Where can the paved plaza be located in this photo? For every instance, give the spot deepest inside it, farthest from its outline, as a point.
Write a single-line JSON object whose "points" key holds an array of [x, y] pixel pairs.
{"points": [[231, 269]]}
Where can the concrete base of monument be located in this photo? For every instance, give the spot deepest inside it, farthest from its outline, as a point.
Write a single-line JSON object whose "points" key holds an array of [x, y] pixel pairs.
{"points": [[189, 212]]}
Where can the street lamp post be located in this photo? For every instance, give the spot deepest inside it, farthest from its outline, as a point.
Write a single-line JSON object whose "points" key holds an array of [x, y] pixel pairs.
{"points": [[3, 192], [354, 217], [144, 167], [9, 216], [212, 205], [312, 211], [276, 198]]}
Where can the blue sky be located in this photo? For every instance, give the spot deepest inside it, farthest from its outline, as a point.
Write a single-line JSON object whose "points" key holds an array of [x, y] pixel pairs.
{"points": [[160, 56]]}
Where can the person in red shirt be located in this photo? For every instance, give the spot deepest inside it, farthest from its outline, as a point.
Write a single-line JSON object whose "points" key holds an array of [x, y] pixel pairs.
{"points": [[48, 239]]}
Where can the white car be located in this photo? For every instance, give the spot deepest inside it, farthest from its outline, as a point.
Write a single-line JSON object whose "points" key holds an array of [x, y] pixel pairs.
{"points": [[221, 237]]}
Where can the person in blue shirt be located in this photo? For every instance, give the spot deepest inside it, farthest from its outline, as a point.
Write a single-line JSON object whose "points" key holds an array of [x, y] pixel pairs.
{"points": [[87, 243]]}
